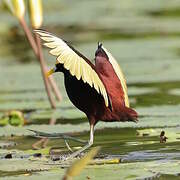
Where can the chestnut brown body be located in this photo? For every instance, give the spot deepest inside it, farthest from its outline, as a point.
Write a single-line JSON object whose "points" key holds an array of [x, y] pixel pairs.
{"points": [[86, 99]]}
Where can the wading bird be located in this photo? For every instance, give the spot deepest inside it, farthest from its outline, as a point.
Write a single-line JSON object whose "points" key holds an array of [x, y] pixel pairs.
{"points": [[97, 90]]}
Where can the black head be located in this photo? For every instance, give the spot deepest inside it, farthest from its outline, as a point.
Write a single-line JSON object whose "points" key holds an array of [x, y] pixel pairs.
{"points": [[59, 67], [99, 45], [100, 51]]}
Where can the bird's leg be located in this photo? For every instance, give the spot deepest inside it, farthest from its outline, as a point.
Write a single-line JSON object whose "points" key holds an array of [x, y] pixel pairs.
{"points": [[90, 143]]}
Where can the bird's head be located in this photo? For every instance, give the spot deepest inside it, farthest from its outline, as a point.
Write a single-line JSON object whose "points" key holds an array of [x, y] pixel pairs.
{"points": [[56, 68], [99, 45], [100, 52]]}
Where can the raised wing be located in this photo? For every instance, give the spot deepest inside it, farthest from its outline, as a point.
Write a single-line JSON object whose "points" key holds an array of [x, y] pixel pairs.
{"points": [[78, 65], [119, 73]]}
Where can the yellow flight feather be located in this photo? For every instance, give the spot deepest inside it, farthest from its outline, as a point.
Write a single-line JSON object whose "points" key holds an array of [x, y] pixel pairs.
{"points": [[76, 65]]}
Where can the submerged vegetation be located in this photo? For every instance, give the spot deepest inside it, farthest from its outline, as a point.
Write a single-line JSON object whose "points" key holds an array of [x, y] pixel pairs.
{"points": [[144, 38]]}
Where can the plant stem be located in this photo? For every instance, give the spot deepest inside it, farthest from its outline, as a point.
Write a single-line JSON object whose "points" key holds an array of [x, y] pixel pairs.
{"points": [[35, 49], [55, 88], [29, 36], [36, 46], [43, 70]]}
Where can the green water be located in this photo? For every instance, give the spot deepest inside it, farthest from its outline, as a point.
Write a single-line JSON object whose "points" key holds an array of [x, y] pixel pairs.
{"points": [[144, 37]]}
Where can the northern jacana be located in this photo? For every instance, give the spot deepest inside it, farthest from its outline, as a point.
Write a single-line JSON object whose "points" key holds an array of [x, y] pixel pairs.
{"points": [[97, 90]]}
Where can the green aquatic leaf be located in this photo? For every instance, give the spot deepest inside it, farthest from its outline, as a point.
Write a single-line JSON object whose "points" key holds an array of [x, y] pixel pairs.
{"points": [[132, 91], [4, 121], [174, 92], [165, 110], [130, 171], [6, 144], [43, 151], [23, 165], [144, 122]]}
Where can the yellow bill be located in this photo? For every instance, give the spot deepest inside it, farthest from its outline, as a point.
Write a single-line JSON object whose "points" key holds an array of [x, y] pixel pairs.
{"points": [[51, 71]]}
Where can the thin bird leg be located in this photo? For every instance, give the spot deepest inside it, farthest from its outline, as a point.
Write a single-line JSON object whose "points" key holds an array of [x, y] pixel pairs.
{"points": [[67, 145], [90, 143]]}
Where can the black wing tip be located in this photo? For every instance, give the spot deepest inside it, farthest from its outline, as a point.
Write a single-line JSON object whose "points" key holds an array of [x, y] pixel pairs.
{"points": [[99, 45], [100, 50], [39, 30], [69, 43]]}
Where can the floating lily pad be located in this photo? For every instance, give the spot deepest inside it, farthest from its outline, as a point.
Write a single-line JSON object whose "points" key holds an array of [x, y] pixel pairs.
{"points": [[23, 165], [139, 91], [165, 110], [175, 92], [70, 128], [6, 144], [140, 170]]}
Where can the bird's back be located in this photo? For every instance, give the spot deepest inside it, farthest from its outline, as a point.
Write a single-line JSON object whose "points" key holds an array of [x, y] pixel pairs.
{"points": [[114, 88], [111, 80]]}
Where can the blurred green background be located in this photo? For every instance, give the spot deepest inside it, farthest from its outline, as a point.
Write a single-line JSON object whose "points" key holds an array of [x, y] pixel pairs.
{"points": [[143, 36]]}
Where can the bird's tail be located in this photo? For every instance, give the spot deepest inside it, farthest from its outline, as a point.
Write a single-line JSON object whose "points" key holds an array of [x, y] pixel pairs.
{"points": [[131, 114], [128, 114]]}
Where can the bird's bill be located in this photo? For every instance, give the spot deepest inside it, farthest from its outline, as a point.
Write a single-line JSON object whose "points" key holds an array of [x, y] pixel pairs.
{"points": [[51, 71]]}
